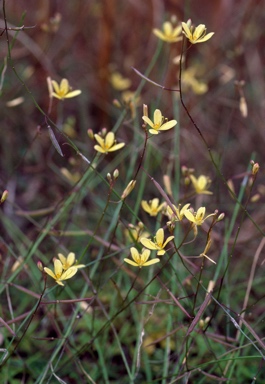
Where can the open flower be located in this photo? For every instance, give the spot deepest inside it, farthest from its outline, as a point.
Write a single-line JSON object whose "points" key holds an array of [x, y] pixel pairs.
{"points": [[119, 82], [135, 232], [68, 262], [201, 184], [62, 91], [168, 33], [177, 214], [158, 244], [59, 274], [107, 144], [197, 217], [153, 207], [189, 80], [140, 259], [158, 124], [196, 35]]}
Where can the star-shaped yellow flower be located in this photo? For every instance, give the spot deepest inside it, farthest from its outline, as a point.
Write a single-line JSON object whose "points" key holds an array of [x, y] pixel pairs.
{"points": [[177, 214], [201, 184], [158, 124], [59, 274], [168, 33], [196, 35], [107, 144], [69, 261], [119, 82], [158, 244], [153, 207], [197, 217], [140, 259], [62, 91]]}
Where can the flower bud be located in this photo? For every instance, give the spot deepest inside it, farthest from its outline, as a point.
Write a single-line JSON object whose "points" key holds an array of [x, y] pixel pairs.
{"points": [[116, 103], [220, 217], [4, 196], [255, 168], [104, 132], [109, 177], [128, 189], [90, 134], [40, 265], [145, 110], [116, 174]]}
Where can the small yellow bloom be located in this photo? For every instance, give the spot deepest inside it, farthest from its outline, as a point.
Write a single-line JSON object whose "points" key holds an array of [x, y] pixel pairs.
{"points": [[198, 217], [201, 184], [59, 274], [62, 91], [119, 82], [196, 35], [153, 207], [158, 124], [189, 80], [140, 259], [168, 33], [177, 214], [107, 144], [135, 232], [158, 244], [69, 261]]}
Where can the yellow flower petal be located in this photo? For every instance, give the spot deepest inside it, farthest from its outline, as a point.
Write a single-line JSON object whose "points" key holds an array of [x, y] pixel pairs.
{"points": [[50, 272]]}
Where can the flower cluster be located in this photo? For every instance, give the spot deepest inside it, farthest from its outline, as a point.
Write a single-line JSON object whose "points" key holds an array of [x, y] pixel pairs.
{"points": [[64, 268]]}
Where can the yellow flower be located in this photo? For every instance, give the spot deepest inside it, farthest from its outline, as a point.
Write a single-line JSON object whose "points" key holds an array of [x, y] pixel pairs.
{"points": [[158, 124], [189, 79], [196, 35], [201, 184], [59, 273], [119, 82], [153, 207], [107, 144], [198, 217], [135, 232], [68, 261], [168, 33], [140, 259], [177, 214], [158, 244], [62, 91]]}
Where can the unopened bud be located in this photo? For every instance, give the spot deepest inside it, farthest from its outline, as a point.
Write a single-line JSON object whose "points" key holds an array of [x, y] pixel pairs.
{"points": [[243, 106], [40, 265], [167, 184], [141, 225], [4, 196], [90, 134], [116, 174], [116, 103], [145, 110], [255, 168], [104, 132], [128, 189], [255, 198], [109, 177], [220, 217]]}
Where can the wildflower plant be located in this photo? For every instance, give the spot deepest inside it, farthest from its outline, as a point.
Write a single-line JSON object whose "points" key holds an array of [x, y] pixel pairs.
{"points": [[121, 318]]}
